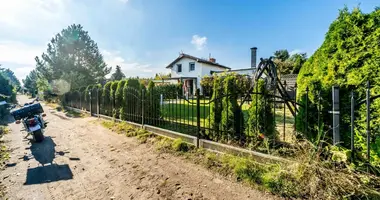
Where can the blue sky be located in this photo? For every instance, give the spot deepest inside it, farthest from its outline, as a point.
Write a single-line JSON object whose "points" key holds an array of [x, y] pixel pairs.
{"points": [[143, 36]]}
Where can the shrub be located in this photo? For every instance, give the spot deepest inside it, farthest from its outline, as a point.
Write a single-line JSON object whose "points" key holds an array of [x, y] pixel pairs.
{"points": [[106, 98], [232, 116], [349, 57], [152, 107], [214, 118], [119, 103], [132, 100], [260, 114], [113, 98]]}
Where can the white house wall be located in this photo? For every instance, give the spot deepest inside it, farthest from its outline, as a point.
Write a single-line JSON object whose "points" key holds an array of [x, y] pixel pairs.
{"points": [[186, 69]]}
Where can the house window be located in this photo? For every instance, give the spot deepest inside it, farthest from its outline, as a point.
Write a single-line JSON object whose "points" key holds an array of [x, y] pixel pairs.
{"points": [[179, 67], [191, 66]]}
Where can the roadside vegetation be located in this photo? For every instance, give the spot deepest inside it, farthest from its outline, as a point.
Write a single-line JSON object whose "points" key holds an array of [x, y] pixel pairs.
{"points": [[4, 155], [307, 177]]}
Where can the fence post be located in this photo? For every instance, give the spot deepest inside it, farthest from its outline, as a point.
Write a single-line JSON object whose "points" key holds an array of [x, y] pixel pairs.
{"points": [[198, 117], [142, 107], [336, 115], [295, 107], [97, 102], [80, 100], [368, 126], [352, 126], [284, 109]]}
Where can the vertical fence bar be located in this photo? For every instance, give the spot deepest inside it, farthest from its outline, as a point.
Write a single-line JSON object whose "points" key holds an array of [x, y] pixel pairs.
{"points": [[295, 108], [97, 102], [336, 115], [284, 111], [352, 126], [90, 102], [256, 95], [142, 107], [198, 117], [368, 126], [80, 100]]}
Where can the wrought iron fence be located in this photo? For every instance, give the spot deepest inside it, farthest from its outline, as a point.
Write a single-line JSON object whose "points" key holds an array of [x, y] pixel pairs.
{"points": [[233, 118]]}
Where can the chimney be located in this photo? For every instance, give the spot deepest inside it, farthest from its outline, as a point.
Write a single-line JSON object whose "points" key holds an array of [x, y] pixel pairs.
{"points": [[253, 57], [212, 60]]}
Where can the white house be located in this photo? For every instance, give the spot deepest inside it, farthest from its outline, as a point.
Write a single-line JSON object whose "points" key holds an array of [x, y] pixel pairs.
{"points": [[190, 70]]}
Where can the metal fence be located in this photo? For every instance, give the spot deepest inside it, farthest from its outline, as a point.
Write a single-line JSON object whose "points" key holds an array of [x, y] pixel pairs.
{"points": [[230, 118]]}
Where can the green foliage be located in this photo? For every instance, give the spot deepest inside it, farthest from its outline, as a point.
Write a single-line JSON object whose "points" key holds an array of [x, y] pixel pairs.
{"points": [[74, 57], [9, 74], [106, 98], [119, 103], [152, 104], [30, 82], [118, 74], [244, 85], [349, 57], [42, 86], [289, 64], [260, 120], [161, 76], [113, 98], [232, 116], [214, 118], [207, 83], [179, 145], [170, 91], [132, 100]]}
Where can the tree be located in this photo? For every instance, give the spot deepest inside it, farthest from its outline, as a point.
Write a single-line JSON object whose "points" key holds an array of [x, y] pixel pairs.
{"points": [[289, 64], [74, 57], [118, 74], [161, 76], [282, 54], [9, 74], [30, 82]]}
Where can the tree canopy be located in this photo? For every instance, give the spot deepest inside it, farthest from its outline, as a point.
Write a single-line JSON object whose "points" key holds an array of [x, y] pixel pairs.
{"points": [[287, 63], [74, 57], [348, 58], [118, 74]]}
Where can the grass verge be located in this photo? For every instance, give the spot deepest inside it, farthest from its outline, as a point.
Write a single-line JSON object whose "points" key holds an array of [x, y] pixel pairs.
{"points": [[305, 179], [4, 155]]}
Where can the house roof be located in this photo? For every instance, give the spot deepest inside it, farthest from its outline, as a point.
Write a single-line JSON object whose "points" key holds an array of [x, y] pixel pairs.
{"points": [[182, 55]]}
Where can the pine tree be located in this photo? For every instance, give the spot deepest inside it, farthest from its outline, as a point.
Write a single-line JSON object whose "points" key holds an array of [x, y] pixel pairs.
{"points": [[118, 74]]}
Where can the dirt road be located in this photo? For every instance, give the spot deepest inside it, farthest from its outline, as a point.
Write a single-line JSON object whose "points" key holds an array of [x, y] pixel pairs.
{"points": [[82, 160]]}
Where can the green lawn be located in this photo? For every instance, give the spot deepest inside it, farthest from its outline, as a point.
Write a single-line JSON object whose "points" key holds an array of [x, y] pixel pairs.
{"points": [[185, 112]]}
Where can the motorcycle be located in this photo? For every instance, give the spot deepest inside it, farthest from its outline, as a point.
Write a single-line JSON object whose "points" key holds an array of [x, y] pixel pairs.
{"points": [[31, 115]]}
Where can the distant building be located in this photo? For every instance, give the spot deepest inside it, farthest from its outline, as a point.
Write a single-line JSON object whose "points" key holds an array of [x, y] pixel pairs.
{"points": [[190, 70]]}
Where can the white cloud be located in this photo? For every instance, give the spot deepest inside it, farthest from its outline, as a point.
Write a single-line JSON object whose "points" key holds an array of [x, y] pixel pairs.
{"points": [[33, 14], [199, 42], [295, 51], [22, 71], [130, 68], [19, 53], [123, 1]]}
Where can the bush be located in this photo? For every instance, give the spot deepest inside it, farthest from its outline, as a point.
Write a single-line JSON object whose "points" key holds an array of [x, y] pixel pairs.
{"points": [[260, 115], [132, 100], [106, 99], [214, 118], [232, 116], [113, 98], [119, 103], [349, 57], [169, 91]]}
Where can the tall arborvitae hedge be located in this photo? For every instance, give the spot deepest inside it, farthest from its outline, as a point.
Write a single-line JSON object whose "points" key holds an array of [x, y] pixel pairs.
{"points": [[113, 98], [119, 103], [106, 99], [215, 115], [132, 100], [260, 114], [349, 57], [232, 116]]}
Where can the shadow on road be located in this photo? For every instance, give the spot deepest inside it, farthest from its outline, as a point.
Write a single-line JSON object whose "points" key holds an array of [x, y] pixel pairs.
{"points": [[45, 153], [48, 173]]}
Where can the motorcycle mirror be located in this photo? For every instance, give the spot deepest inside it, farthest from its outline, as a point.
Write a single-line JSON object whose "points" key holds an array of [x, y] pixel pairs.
{"points": [[18, 121], [43, 114]]}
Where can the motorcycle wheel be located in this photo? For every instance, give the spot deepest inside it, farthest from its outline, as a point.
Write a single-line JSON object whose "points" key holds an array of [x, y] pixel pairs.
{"points": [[38, 136]]}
